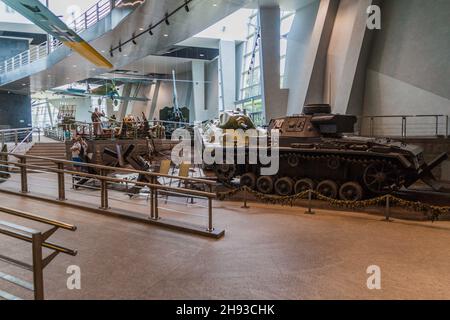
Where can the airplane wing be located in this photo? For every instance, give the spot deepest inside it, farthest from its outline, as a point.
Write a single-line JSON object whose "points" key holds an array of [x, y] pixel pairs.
{"points": [[40, 15]]}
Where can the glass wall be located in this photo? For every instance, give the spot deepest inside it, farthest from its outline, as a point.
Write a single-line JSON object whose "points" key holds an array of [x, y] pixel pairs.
{"points": [[250, 91]]}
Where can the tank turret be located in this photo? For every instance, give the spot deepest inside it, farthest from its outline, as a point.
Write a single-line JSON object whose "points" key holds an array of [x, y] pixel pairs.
{"points": [[315, 122]]}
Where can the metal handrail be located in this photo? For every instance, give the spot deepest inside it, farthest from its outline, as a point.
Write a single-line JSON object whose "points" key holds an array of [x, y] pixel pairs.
{"points": [[89, 18], [102, 167], [6, 134], [33, 217], [404, 119], [39, 241], [101, 175]]}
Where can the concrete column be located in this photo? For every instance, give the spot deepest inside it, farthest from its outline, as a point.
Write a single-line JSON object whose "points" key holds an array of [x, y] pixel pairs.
{"points": [[15, 110], [140, 107], [228, 73], [126, 92], [347, 57], [306, 55], [269, 18], [153, 112], [198, 78]]}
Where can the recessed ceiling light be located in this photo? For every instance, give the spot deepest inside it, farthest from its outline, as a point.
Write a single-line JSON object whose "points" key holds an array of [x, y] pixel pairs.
{"points": [[142, 29], [166, 35]]}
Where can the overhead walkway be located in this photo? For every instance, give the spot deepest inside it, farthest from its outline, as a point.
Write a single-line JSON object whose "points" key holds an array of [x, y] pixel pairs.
{"points": [[108, 24]]}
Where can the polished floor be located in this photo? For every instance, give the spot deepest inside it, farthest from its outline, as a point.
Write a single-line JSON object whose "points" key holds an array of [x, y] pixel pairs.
{"points": [[267, 253]]}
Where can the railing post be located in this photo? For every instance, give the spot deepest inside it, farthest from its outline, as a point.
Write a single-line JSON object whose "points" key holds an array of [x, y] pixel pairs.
{"points": [[210, 215], [156, 212], [97, 12], [61, 183], [404, 127], [104, 192], [446, 126], [152, 199], [38, 274], [371, 129], [23, 175], [16, 137], [437, 126]]}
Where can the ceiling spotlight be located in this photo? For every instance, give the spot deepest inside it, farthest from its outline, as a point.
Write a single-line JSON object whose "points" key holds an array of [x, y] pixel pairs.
{"points": [[186, 6], [133, 39], [111, 52], [167, 19], [150, 30]]}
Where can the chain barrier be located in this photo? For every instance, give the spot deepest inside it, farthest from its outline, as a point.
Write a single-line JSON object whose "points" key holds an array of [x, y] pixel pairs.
{"points": [[430, 211]]}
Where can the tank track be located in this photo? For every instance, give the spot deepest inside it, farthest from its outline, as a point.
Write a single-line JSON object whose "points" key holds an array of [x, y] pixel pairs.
{"points": [[352, 189]]}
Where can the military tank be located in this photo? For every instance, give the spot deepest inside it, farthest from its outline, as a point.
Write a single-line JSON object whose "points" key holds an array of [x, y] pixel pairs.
{"points": [[318, 150]]}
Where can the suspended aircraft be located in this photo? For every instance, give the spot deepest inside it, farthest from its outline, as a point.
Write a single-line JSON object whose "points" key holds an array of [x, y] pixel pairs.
{"points": [[41, 16], [106, 91]]}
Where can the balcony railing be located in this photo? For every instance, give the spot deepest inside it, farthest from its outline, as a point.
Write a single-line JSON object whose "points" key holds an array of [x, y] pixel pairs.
{"points": [[89, 18], [405, 126]]}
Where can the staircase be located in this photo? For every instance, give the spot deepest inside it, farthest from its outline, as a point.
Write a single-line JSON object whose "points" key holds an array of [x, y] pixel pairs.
{"points": [[54, 150]]}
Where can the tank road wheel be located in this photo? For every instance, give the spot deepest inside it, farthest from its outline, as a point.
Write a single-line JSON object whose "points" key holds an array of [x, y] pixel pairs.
{"points": [[225, 172], [304, 185], [351, 191], [328, 188], [284, 186], [381, 177], [248, 180], [264, 184]]}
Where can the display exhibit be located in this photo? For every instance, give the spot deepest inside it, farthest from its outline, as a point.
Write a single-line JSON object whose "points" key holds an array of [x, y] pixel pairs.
{"points": [[247, 151]]}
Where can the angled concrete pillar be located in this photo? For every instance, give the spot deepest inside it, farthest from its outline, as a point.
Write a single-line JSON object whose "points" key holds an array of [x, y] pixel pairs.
{"points": [[126, 92], [274, 104], [306, 54], [139, 107], [347, 57], [228, 73], [152, 112], [198, 82]]}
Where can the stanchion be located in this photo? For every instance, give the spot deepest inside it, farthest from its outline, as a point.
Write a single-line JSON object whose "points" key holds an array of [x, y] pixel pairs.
{"points": [[387, 210], [245, 206], [310, 211]]}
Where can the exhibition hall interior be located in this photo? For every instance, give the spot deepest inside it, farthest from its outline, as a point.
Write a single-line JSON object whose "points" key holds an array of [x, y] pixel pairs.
{"points": [[224, 149]]}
